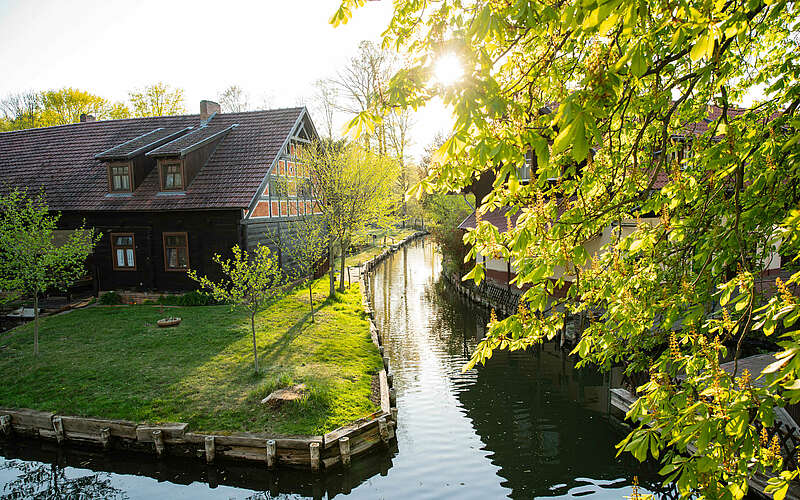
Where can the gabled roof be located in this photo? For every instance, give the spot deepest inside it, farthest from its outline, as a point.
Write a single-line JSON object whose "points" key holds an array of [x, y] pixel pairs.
{"points": [[62, 160]]}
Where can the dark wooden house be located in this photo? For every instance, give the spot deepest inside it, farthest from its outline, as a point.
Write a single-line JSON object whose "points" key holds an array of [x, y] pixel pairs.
{"points": [[168, 192]]}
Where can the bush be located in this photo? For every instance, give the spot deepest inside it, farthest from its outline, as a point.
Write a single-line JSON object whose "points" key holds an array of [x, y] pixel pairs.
{"points": [[193, 298], [111, 298]]}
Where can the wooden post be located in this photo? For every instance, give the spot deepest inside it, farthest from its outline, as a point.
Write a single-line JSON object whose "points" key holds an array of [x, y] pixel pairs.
{"points": [[380, 349], [5, 425], [210, 449], [383, 427], [394, 414], [58, 427], [386, 363], [105, 438], [390, 378], [314, 449], [158, 440], [271, 452], [392, 397], [344, 450]]}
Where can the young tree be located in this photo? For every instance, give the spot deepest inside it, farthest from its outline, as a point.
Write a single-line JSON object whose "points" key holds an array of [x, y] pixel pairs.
{"points": [[234, 99], [609, 95], [308, 244], [354, 189], [361, 85], [32, 261], [250, 282], [158, 99]]}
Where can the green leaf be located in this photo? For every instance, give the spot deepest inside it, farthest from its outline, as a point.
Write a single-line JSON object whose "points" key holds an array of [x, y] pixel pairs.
{"points": [[701, 47]]}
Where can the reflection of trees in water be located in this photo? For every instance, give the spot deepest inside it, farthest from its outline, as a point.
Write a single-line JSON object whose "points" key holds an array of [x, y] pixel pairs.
{"points": [[458, 323], [46, 481]]}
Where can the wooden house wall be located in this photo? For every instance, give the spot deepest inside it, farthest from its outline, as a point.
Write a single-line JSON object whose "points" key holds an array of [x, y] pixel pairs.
{"points": [[142, 165], [208, 232], [194, 160]]}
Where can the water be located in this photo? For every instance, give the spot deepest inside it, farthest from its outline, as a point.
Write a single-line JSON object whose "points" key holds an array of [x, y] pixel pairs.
{"points": [[527, 425]]}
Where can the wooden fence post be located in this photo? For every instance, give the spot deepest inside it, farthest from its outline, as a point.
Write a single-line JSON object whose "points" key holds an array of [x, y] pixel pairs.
{"points": [[314, 450], [58, 427], [344, 450], [210, 449], [158, 440], [105, 438], [271, 452], [5, 425], [383, 427]]}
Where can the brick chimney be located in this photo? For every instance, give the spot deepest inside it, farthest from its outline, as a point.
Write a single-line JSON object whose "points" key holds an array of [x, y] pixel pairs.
{"points": [[208, 108], [87, 118]]}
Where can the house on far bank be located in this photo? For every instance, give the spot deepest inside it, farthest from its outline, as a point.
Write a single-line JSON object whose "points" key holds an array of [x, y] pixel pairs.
{"points": [[168, 192]]}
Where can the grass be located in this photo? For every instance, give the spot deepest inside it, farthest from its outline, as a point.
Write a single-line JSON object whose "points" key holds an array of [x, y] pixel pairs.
{"points": [[114, 362], [370, 251]]}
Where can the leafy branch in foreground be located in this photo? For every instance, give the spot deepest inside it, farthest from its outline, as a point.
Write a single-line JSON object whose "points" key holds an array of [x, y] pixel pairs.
{"points": [[631, 113]]}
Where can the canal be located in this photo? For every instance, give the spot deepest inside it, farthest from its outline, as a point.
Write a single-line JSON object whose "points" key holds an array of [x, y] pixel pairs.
{"points": [[526, 425]]}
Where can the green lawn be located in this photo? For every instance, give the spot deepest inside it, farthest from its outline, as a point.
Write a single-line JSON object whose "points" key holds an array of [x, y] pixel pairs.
{"points": [[370, 251], [114, 362]]}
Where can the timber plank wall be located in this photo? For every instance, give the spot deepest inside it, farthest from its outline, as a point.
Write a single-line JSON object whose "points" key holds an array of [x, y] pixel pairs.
{"points": [[175, 439]]}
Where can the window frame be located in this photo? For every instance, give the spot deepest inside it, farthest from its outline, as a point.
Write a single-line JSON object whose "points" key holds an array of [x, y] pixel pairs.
{"points": [[118, 164], [162, 165], [114, 249], [164, 237]]}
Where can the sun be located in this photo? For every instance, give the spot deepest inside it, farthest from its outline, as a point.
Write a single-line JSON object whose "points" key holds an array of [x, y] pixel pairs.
{"points": [[448, 69]]}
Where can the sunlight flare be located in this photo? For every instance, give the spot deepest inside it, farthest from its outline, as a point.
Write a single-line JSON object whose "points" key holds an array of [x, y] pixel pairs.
{"points": [[448, 69]]}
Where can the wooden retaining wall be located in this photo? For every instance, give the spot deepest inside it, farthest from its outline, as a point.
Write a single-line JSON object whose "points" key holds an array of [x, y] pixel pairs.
{"points": [[308, 452]]}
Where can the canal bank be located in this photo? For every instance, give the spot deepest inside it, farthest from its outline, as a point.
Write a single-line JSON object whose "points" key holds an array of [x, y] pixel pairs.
{"points": [[526, 425]]}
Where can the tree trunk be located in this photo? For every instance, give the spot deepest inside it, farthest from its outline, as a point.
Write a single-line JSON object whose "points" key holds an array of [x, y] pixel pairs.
{"points": [[35, 324], [330, 270], [253, 330], [311, 296], [341, 268]]}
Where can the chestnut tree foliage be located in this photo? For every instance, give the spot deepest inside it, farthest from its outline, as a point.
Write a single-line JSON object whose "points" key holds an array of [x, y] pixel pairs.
{"points": [[683, 284]]}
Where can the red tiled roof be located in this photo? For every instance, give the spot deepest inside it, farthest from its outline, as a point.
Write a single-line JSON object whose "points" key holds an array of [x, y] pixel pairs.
{"points": [[62, 160], [497, 218]]}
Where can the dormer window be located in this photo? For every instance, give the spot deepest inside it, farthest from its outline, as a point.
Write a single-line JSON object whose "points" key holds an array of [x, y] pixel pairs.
{"points": [[172, 175], [120, 177]]}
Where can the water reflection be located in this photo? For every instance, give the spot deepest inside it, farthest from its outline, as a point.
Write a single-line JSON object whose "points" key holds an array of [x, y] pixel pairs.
{"points": [[526, 425], [35, 469]]}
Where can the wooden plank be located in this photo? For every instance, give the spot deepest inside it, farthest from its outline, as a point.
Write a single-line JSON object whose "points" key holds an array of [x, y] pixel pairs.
{"points": [[293, 457], [297, 443], [251, 440], [170, 432], [80, 425], [332, 438], [383, 383], [31, 419], [244, 453]]}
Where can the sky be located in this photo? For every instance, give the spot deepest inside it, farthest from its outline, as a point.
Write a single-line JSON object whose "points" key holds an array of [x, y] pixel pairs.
{"points": [[274, 50]]}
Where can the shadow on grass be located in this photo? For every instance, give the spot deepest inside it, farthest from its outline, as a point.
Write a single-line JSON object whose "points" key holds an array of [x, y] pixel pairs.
{"points": [[277, 347]]}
